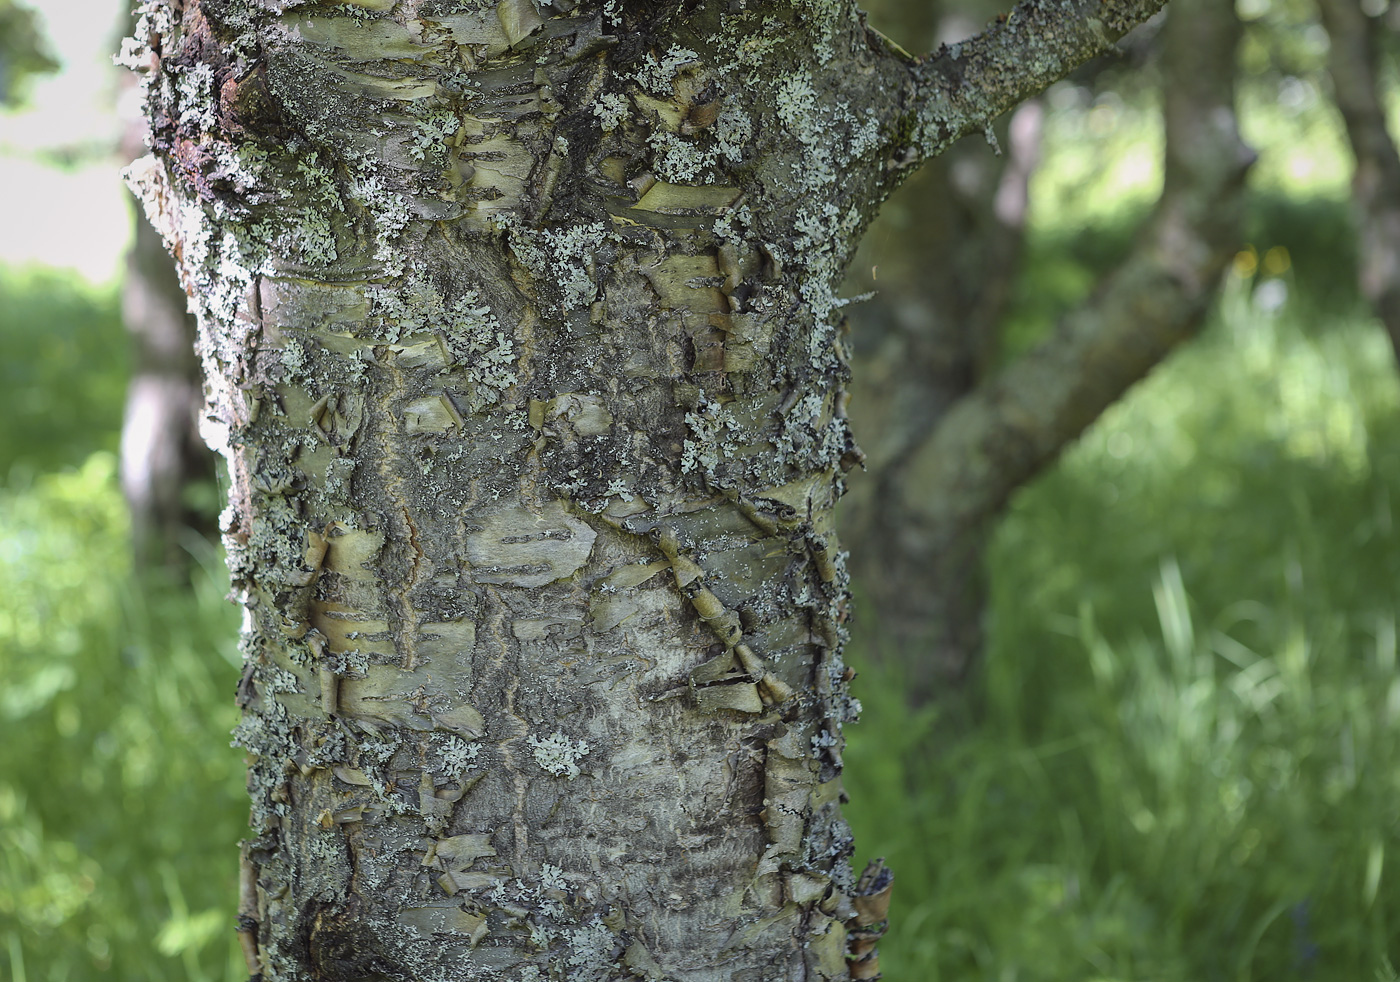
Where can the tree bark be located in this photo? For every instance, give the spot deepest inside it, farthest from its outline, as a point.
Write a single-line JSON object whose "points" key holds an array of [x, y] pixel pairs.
{"points": [[161, 451], [1354, 64], [518, 334]]}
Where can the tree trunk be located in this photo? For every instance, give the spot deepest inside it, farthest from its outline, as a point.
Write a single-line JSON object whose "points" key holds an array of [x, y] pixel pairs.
{"points": [[1354, 63], [161, 452], [942, 281], [518, 334], [956, 440]]}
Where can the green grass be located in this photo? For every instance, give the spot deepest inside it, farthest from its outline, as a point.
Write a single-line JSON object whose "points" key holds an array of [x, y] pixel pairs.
{"points": [[120, 800], [1186, 759], [63, 358]]}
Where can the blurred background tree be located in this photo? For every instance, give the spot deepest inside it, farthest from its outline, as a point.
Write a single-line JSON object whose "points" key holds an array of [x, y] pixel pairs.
{"points": [[961, 426], [167, 472], [1166, 743]]}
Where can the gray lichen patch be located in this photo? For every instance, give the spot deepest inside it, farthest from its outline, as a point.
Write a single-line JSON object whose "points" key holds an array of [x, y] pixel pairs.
{"points": [[559, 755], [562, 260]]}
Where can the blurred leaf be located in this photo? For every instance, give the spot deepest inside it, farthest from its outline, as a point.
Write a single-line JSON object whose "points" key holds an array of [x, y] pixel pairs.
{"points": [[190, 932], [23, 51], [63, 358]]}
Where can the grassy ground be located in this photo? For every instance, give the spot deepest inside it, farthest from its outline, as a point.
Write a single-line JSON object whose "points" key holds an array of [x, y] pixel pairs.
{"points": [[120, 800], [1186, 763], [1185, 766]]}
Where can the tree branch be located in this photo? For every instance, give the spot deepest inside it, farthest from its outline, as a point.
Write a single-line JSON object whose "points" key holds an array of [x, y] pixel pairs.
{"points": [[964, 86], [1001, 435], [1354, 64]]}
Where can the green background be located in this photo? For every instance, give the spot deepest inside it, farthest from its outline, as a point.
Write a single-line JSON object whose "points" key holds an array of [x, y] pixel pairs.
{"points": [[1183, 760]]}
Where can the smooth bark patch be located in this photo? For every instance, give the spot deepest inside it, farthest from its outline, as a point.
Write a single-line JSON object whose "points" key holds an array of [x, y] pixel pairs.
{"points": [[525, 548]]}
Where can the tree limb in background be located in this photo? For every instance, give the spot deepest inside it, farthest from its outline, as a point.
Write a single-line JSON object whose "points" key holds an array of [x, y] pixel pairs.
{"points": [[963, 87], [1012, 426], [1354, 64]]}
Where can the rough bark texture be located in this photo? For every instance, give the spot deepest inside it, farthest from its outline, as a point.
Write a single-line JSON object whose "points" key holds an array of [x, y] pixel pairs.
{"points": [[1354, 64], [518, 327], [161, 451]]}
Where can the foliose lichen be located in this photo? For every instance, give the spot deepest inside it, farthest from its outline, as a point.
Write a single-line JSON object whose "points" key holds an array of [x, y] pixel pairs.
{"points": [[559, 755]]}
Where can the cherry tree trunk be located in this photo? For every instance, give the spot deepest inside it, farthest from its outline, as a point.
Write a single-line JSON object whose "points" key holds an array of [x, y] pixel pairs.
{"points": [[521, 340]]}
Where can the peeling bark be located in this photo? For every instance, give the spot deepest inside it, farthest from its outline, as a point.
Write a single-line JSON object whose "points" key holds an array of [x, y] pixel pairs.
{"points": [[518, 330]]}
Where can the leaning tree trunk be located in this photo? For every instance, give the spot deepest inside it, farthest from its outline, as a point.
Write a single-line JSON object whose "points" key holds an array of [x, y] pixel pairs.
{"points": [[518, 334], [942, 278], [943, 479]]}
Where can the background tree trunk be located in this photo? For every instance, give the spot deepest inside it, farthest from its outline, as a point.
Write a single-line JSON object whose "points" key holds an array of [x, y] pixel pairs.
{"points": [[1354, 63], [948, 439], [942, 273], [518, 334], [162, 455]]}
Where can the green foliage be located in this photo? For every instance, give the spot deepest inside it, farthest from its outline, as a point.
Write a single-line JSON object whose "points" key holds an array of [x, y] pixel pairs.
{"points": [[120, 800], [1184, 764], [63, 358], [23, 51]]}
